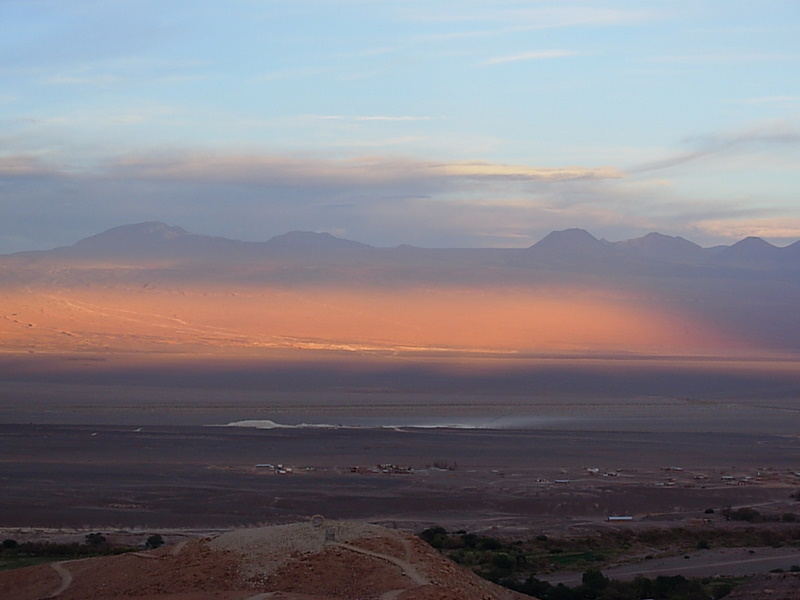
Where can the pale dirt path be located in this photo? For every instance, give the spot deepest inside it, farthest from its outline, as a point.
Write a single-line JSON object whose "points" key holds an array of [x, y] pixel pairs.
{"points": [[407, 568], [66, 578], [177, 548]]}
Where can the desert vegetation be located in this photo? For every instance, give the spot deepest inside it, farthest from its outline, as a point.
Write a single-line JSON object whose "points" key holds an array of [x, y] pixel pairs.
{"points": [[596, 586], [522, 564], [14, 554]]}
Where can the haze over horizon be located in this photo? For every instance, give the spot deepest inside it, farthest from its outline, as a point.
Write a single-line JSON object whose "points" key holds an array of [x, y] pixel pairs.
{"points": [[301, 238], [435, 124]]}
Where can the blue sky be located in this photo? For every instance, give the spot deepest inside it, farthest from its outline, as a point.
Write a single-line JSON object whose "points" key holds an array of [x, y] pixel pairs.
{"points": [[435, 122]]}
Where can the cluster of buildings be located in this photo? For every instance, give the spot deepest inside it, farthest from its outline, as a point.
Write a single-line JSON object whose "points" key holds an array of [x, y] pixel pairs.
{"points": [[277, 469], [387, 468]]}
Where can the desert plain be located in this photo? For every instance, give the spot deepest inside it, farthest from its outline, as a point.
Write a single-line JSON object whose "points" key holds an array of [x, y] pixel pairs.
{"points": [[520, 445], [507, 394]]}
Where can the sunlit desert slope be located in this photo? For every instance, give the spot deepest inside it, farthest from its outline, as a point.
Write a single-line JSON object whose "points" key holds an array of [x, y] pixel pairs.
{"points": [[151, 287]]}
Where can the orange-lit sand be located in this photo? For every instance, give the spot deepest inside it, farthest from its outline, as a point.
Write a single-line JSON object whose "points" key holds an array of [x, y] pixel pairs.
{"points": [[564, 321]]}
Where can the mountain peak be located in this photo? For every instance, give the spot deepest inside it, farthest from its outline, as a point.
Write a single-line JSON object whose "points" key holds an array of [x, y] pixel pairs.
{"points": [[568, 241], [751, 249], [310, 240], [151, 239], [752, 241], [150, 231], [662, 247], [567, 238]]}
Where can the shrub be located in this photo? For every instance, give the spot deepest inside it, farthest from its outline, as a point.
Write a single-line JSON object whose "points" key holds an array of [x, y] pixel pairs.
{"points": [[488, 543], [95, 539], [435, 536], [746, 513], [594, 580], [789, 518], [502, 561]]}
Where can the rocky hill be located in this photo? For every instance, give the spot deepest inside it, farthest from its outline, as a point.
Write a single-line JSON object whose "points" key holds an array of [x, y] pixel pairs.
{"points": [[314, 560]]}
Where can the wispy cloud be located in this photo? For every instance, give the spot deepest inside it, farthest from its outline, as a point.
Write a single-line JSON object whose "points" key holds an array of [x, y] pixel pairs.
{"points": [[90, 80], [23, 166], [527, 56], [776, 134], [536, 18], [737, 57], [480, 170], [501, 21], [354, 172], [781, 101], [786, 228], [368, 118]]}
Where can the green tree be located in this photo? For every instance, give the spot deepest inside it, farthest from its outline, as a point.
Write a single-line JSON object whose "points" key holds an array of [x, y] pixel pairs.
{"points": [[594, 580], [502, 561], [95, 539]]}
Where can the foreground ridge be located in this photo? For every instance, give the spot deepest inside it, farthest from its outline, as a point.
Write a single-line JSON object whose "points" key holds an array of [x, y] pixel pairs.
{"points": [[301, 561]]}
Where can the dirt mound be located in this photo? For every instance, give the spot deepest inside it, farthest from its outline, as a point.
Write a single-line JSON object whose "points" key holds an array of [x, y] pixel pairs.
{"points": [[305, 561]]}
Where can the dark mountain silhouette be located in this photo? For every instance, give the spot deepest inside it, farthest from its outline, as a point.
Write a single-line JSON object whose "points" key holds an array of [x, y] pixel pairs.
{"points": [[662, 247], [792, 252], [570, 242], [560, 249], [307, 241], [153, 240], [751, 250]]}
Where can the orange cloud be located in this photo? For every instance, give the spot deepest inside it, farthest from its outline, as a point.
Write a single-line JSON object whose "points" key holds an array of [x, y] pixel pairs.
{"points": [[782, 227]]}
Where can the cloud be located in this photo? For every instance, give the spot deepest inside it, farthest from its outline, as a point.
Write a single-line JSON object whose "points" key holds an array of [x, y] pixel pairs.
{"points": [[737, 57], [485, 170], [779, 100], [782, 228], [367, 118], [381, 200], [526, 19], [526, 56], [23, 166], [778, 134], [90, 80], [355, 172]]}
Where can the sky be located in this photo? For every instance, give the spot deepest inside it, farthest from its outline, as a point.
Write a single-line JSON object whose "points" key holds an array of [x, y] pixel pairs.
{"points": [[438, 123]]}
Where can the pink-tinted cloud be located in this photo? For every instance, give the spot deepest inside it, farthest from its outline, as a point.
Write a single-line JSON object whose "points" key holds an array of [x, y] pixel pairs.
{"points": [[356, 171]]}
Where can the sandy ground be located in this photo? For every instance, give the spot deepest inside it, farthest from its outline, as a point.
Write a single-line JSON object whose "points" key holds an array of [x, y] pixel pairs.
{"points": [[58, 476], [125, 441]]}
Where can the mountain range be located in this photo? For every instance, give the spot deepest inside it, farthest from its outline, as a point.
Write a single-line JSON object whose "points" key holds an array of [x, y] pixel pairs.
{"points": [[154, 285], [156, 239]]}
